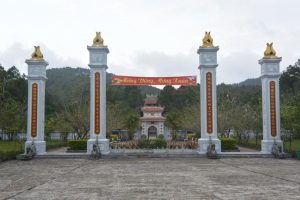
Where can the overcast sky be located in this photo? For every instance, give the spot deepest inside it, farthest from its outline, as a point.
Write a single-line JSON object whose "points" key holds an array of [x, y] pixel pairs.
{"points": [[151, 37]]}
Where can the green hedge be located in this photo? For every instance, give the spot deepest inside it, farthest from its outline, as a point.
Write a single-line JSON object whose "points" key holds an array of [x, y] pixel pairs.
{"points": [[228, 143], [77, 144]]}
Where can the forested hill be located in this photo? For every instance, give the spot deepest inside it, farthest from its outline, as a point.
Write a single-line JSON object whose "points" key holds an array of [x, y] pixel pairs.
{"points": [[65, 85], [67, 102], [250, 82]]}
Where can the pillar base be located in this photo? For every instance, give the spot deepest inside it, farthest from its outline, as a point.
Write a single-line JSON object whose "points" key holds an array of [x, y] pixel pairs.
{"points": [[266, 145], [103, 143], [40, 146], [203, 145]]}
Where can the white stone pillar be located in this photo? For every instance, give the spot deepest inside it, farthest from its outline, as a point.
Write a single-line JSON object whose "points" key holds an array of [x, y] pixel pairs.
{"points": [[208, 92], [98, 65], [36, 101], [270, 73]]}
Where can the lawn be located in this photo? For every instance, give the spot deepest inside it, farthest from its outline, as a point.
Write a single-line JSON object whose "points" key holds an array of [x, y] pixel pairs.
{"points": [[295, 145], [9, 149]]}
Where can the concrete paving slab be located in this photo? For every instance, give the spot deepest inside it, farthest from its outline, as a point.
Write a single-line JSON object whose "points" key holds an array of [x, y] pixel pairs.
{"points": [[151, 178]]}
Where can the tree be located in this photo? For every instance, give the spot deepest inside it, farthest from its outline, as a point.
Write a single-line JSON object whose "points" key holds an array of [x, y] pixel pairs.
{"points": [[166, 97], [12, 119], [174, 121], [133, 96], [190, 119], [290, 79], [75, 119], [131, 123], [290, 115], [116, 114]]}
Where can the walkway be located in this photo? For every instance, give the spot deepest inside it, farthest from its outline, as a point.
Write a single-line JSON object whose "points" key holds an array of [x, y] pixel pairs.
{"points": [[185, 178]]}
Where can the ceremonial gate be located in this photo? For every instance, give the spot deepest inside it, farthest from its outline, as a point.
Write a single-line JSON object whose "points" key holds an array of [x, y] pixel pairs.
{"points": [[207, 65]]}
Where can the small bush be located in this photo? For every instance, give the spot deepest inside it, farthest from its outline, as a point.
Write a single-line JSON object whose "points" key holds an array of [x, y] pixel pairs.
{"points": [[228, 143], [77, 144], [144, 144], [152, 144], [161, 136], [143, 137], [191, 136], [113, 137], [158, 144]]}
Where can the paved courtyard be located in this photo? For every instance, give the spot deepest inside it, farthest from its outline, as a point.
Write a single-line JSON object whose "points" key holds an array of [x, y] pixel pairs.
{"points": [[153, 178]]}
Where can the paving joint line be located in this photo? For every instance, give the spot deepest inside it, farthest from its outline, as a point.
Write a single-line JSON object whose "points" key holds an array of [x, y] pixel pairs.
{"points": [[51, 179], [287, 180]]}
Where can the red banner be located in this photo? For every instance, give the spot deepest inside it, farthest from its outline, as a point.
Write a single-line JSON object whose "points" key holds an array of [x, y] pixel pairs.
{"points": [[133, 80]]}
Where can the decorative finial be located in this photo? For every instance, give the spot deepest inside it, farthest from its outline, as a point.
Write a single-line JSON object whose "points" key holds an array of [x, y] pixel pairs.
{"points": [[207, 41], [98, 41], [37, 54], [270, 52]]}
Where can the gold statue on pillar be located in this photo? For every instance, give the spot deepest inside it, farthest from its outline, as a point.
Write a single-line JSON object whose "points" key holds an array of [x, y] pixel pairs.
{"points": [[98, 41], [270, 52], [37, 54], [207, 41]]}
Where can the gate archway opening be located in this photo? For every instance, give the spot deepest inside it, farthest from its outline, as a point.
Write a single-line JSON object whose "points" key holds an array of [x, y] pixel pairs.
{"points": [[152, 132]]}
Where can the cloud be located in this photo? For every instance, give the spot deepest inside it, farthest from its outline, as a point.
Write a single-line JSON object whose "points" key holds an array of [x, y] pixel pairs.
{"points": [[167, 65], [237, 67], [234, 67], [16, 54]]}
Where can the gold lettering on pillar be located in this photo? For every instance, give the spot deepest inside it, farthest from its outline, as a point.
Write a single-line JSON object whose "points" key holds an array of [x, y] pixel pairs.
{"points": [[97, 103], [209, 117], [34, 103], [273, 108]]}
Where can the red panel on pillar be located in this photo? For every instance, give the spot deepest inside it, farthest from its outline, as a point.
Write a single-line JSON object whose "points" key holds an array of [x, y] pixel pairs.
{"points": [[273, 108], [34, 102], [97, 103], [209, 114]]}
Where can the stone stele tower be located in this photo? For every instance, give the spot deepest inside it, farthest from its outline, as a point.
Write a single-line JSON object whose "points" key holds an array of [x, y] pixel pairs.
{"points": [[208, 64], [36, 101], [98, 65], [270, 73]]}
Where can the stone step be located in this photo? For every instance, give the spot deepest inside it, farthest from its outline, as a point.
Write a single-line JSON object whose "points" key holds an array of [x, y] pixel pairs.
{"points": [[150, 155]]}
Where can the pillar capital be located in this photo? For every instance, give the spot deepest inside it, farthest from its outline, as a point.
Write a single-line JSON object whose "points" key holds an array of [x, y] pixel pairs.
{"points": [[36, 65], [208, 57], [270, 67], [98, 56]]}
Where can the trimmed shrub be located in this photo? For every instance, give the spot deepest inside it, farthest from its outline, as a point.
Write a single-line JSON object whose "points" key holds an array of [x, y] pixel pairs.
{"points": [[77, 144], [228, 143]]}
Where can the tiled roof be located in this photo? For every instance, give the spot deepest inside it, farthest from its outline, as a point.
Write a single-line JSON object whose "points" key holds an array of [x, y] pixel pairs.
{"points": [[152, 108], [153, 118]]}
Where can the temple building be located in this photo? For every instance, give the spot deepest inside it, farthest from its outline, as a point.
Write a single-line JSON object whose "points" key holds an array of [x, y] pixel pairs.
{"points": [[152, 122]]}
